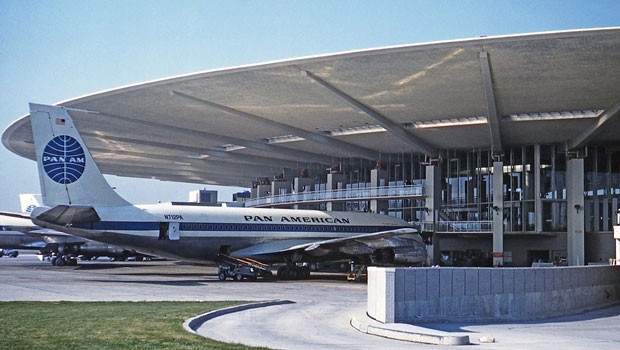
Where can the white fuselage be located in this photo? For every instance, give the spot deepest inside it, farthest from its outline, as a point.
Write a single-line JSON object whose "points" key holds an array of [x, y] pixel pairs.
{"points": [[202, 231]]}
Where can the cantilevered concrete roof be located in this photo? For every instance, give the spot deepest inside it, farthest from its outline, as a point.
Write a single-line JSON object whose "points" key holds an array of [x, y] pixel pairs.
{"points": [[232, 125]]}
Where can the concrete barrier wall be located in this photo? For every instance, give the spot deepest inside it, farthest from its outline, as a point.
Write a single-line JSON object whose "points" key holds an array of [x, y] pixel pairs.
{"points": [[410, 295]]}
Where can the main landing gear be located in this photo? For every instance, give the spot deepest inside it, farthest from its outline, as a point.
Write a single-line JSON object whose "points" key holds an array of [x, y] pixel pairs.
{"points": [[293, 272], [64, 260]]}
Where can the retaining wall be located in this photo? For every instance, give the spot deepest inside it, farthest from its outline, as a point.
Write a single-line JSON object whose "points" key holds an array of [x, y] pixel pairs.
{"points": [[411, 295]]}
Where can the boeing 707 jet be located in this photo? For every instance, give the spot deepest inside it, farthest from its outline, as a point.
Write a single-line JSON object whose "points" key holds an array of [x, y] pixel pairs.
{"points": [[78, 200]]}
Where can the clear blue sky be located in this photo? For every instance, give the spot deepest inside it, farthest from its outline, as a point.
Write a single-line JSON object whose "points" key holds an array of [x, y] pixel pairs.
{"points": [[57, 50]]}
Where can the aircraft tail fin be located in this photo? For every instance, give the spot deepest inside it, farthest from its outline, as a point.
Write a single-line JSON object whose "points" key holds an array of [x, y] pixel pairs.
{"points": [[67, 172]]}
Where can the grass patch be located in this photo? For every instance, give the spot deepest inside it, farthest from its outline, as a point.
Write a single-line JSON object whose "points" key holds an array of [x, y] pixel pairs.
{"points": [[104, 325]]}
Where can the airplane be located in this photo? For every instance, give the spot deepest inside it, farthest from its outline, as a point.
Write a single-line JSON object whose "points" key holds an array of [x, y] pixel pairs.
{"points": [[12, 239], [78, 200], [17, 231]]}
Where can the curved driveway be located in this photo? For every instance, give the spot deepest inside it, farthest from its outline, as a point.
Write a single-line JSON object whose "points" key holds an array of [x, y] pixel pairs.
{"points": [[318, 318]]}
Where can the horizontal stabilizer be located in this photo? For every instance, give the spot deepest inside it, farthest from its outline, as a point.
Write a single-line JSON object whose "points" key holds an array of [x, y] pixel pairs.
{"points": [[68, 215]]}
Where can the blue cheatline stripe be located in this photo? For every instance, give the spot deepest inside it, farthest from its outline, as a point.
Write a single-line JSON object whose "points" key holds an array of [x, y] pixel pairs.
{"points": [[233, 227]]}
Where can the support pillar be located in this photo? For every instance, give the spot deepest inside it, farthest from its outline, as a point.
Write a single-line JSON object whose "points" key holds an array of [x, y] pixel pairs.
{"points": [[378, 182], [432, 192], [617, 238], [302, 185], [260, 191], [616, 221], [538, 210], [336, 183], [575, 212], [280, 187], [498, 213]]}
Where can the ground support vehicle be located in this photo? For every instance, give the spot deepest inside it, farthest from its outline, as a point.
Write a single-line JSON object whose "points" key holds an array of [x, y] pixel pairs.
{"points": [[359, 273], [11, 253], [240, 269]]}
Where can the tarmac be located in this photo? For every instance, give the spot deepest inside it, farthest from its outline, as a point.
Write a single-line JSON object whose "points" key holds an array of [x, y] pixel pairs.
{"points": [[325, 312]]}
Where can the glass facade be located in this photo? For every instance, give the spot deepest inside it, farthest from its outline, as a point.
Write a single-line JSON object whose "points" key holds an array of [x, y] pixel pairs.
{"points": [[534, 198], [601, 188], [534, 188]]}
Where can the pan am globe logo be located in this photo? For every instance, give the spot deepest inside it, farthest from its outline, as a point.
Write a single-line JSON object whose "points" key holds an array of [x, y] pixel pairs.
{"points": [[64, 159]]}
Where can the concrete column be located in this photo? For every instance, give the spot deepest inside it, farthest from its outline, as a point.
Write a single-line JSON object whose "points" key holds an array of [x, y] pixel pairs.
{"points": [[378, 180], [538, 209], [617, 238], [498, 213], [335, 182], [303, 185], [432, 201], [615, 218], [261, 191], [597, 222], [605, 214], [575, 212], [588, 215], [280, 187]]}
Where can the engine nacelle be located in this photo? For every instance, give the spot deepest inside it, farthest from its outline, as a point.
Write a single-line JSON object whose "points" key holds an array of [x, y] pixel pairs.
{"points": [[95, 249], [407, 256], [410, 256]]}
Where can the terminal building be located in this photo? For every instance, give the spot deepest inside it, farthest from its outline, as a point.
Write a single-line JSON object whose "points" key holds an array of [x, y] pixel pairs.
{"points": [[504, 151]]}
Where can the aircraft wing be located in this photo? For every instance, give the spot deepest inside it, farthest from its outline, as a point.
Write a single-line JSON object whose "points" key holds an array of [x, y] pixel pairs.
{"points": [[16, 221], [53, 236], [34, 245], [14, 215], [358, 245]]}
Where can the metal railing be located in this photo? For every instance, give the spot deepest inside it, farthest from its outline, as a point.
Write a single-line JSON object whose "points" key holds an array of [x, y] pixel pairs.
{"points": [[464, 226], [349, 194]]}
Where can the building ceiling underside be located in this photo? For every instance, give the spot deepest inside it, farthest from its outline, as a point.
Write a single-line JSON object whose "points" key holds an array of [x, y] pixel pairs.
{"points": [[232, 125]]}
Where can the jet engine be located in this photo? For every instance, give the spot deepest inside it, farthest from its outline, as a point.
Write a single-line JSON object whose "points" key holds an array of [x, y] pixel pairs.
{"points": [[406, 256]]}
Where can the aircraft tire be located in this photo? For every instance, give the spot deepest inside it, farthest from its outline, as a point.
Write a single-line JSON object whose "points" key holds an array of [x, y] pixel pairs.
{"points": [[304, 273], [53, 260], [60, 262], [282, 273]]}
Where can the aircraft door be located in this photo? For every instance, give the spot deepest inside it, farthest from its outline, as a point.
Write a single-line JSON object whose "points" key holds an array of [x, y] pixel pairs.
{"points": [[169, 231], [173, 231]]}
